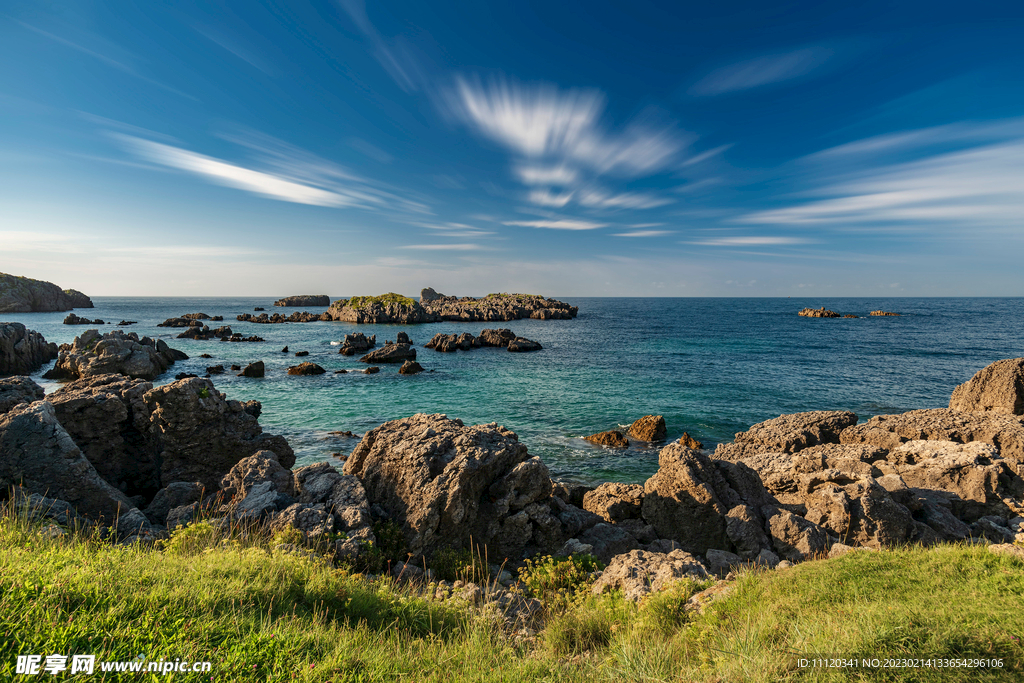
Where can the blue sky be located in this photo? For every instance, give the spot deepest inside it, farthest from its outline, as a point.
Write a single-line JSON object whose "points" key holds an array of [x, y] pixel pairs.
{"points": [[660, 149]]}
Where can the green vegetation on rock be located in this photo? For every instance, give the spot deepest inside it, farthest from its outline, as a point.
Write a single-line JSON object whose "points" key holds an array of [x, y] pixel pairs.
{"points": [[260, 612], [359, 302]]}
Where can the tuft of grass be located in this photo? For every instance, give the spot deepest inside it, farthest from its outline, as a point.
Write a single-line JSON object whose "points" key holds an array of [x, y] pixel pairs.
{"points": [[559, 582]]}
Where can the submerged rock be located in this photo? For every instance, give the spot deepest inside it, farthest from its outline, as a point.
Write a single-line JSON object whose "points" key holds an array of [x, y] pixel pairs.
{"points": [[306, 369], [611, 439]]}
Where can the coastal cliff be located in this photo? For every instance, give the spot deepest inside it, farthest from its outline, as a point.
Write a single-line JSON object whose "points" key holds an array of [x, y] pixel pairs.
{"points": [[24, 295]]}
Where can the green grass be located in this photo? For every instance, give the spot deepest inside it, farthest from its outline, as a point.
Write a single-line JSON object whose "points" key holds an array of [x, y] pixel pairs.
{"points": [[261, 614], [359, 302]]}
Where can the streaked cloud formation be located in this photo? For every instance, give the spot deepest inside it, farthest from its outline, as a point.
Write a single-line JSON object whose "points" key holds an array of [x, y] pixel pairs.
{"points": [[761, 71], [979, 184], [559, 224]]}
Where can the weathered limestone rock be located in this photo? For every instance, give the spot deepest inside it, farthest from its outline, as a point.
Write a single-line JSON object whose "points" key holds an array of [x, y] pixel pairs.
{"points": [[450, 343], [523, 345], [388, 308], [690, 442], [862, 513], [690, 496], [571, 493], [410, 367], [259, 467], [25, 295], [390, 353], [176, 494], [608, 540], [615, 502], [499, 338], [114, 352], [638, 573], [975, 479], [817, 313], [1005, 432], [306, 369], [201, 434], [257, 369], [108, 419], [17, 390], [311, 520], [37, 454], [23, 351], [446, 483], [357, 343], [611, 439], [795, 539], [304, 300], [997, 388], [787, 434], [648, 428]]}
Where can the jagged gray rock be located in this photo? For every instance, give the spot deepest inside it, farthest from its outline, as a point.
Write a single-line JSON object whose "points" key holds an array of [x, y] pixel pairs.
{"points": [[638, 573], [23, 351], [24, 295], [17, 390], [114, 352], [446, 483]]}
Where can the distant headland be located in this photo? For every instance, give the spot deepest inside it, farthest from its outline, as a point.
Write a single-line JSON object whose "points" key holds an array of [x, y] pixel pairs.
{"points": [[25, 295]]}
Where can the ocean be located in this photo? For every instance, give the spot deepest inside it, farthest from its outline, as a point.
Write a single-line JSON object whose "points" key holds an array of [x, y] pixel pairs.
{"points": [[711, 366]]}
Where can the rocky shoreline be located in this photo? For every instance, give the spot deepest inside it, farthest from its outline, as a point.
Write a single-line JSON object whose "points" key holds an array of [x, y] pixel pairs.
{"points": [[789, 489]]}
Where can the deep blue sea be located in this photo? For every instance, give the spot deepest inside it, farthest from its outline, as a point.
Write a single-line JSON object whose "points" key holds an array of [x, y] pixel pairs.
{"points": [[712, 367]]}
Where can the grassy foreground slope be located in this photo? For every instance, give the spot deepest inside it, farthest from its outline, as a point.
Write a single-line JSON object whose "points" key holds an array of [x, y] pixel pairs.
{"points": [[265, 615]]}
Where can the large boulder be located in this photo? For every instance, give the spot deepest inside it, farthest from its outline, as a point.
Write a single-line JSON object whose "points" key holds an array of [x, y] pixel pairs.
{"points": [[25, 295], [689, 497], [449, 343], [648, 428], [612, 439], [501, 338], [259, 467], [390, 353], [447, 484], [608, 540], [788, 434], [997, 388], [357, 343], [174, 495], [341, 495], [114, 352], [794, 538], [17, 390], [201, 434], [23, 351], [638, 573], [37, 454], [861, 513], [615, 502], [108, 418]]}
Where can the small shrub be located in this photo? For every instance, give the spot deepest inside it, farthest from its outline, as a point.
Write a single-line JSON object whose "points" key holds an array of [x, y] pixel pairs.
{"points": [[192, 539], [559, 581], [289, 535]]}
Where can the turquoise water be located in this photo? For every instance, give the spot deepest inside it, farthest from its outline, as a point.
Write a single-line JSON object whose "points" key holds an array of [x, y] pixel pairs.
{"points": [[712, 367]]}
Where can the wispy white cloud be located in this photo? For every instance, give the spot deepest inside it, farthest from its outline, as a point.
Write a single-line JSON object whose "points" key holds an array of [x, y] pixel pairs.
{"points": [[625, 200], [747, 241], [644, 233], [235, 47], [288, 173], [646, 225], [547, 198], [443, 247], [230, 175], [704, 156], [546, 175], [559, 224], [545, 122], [761, 71], [395, 56], [981, 186]]}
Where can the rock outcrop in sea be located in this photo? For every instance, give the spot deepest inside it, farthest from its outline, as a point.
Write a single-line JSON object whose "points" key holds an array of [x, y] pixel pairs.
{"points": [[390, 353], [93, 354], [432, 307], [818, 313], [23, 351], [25, 295], [503, 338], [304, 300]]}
